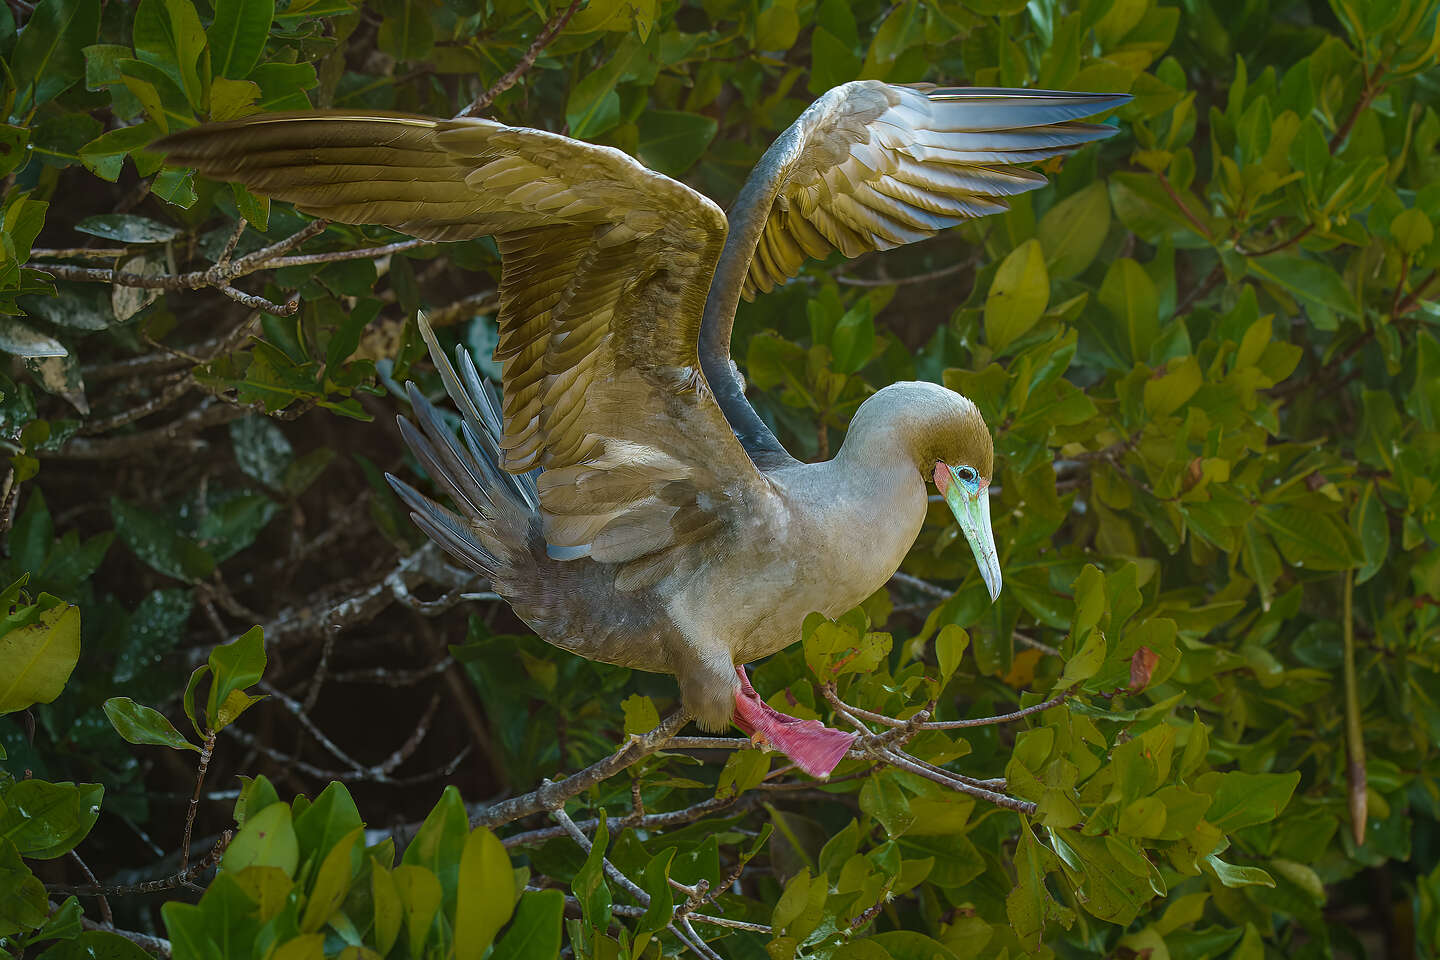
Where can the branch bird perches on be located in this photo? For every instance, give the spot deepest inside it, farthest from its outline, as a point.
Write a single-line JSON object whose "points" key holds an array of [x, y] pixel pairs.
{"points": [[624, 496]]}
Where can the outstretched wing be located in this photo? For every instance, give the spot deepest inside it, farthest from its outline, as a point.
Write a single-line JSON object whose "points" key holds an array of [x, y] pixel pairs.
{"points": [[872, 166], [605, 269]]}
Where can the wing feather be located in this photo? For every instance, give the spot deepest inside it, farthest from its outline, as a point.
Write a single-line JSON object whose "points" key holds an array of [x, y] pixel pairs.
{"points": [[605, 270]]}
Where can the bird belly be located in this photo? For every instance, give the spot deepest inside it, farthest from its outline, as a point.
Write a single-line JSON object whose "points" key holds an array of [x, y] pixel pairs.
{"points": [[757, 602]]}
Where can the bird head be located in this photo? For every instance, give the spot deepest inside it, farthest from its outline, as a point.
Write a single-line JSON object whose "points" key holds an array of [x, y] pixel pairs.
{"points": [[967, 491], [946, 436]]}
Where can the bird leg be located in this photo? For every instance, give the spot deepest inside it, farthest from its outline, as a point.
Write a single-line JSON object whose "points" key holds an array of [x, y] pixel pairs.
{"points": [[814, 747]]}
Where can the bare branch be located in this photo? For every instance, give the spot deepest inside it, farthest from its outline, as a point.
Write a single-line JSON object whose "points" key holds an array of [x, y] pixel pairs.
{"points": [[552, 795], [611, 871], [210, 414], [182, 877]]}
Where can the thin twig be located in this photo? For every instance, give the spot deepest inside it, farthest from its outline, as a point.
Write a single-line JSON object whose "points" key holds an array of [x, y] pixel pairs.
{"points": [[156, 403], [1185, 208], [542, 40], [178, 879], [105, 913], [611, 871], [111, 448]]}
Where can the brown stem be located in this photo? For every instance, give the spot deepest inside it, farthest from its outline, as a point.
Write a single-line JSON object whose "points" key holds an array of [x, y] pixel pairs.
{"points": [[1412, 300], [1211, 281], [1371, 90], [1185, 208], [207, 749], [542, 40], [1276, 247]]}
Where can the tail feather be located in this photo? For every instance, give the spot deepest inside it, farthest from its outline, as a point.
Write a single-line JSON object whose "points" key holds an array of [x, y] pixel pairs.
{"points": [[442, 457], [476, 408], [494, 527], [444, 527], [488, 401]]}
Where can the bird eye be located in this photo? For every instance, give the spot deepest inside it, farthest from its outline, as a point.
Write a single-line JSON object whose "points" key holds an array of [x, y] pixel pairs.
{"points": [[967, 474]]}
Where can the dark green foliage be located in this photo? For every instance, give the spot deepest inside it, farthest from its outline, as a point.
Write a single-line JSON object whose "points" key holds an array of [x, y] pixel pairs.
{"points": [[1209, 353]]}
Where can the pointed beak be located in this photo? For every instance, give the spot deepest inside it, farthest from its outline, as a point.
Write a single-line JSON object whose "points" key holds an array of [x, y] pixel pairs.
{"points": [[972, 511]]}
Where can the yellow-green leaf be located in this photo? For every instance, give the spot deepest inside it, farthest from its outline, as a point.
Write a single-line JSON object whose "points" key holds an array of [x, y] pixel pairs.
{"points": [[485, 897], [1017, 296], [39, 657]]}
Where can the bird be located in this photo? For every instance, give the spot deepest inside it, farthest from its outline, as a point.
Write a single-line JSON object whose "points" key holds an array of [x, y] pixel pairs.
{"points": [[621, 493]]}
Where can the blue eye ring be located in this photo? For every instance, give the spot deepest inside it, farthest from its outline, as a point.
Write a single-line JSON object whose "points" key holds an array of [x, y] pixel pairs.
{"points": [[967, 474]]}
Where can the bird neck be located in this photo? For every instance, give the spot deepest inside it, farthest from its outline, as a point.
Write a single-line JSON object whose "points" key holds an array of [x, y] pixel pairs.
{"points": [[888, 431]]}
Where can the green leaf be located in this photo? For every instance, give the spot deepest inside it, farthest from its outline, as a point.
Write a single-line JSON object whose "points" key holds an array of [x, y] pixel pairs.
{"points": [[46, 820], [440, 840], [1412, 230], [261, 449], [1072, 231], [23, 340], [1245, 799], [127, 228], [882, 797], [1017, 296], [1232, 875], [13, 143], [168, 35], [105, 155], [1171, 391], [640, 714], [421, 895], [176, 187], [777, 26], [140, 724], [322, 824], [24, 906], [535, 931], [332, 883], [1130, 296], [48, 55], [237, 37], [267, 840], [406, 32], [672, 140], [1086, 662], [40, 654], [235, 665], [155, 541], [1307, 538], [589, 884], [950, 644], [1309, 280], [852, 342], [656, 882], [743, 770], [486, 894], [389, 908], [1371, 524]]}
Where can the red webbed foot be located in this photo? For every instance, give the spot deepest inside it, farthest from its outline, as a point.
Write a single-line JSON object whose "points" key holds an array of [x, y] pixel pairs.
{"points": [[814, 747]]}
